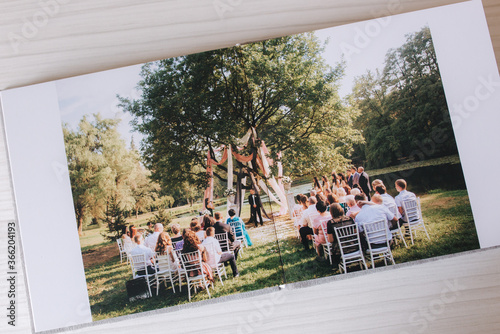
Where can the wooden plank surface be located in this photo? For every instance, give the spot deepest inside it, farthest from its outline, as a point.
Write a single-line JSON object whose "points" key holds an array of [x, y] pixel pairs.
{"points": [[78, 37], [455, 295]]}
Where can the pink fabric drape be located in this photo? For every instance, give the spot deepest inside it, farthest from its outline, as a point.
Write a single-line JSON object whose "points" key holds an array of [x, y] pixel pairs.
{"points": [[209, 191], [243, 158]]}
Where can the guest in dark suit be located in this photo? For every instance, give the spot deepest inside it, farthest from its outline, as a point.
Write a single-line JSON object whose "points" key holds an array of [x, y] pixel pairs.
{"points": [[364, 182], [350, 178], [221, 227], [255, 207]]}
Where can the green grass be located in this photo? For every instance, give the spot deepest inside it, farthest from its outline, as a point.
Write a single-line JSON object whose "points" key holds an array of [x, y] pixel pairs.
{"points": [[449, 222], [447, 215], [259, 268]]}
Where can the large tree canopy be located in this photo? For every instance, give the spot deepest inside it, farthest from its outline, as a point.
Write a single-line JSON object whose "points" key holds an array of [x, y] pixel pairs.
{"points": [[404, 115], [282, 87], [102, 169]]}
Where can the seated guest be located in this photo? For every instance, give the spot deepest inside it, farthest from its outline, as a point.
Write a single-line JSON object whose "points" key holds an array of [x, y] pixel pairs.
{"points": [[298, 207], [312, 193], [305, 222], [327, 191], [152, 238], [355, 191], [221, 227], [127, 243], [338, 220], [149, 254], [338, 216], [377, 199], [403, 195], [317, 223], [347, 190], [321, 198], [351, 203], [387, 199], [370, 213], [176, 231], [164, 247], [233, 218], [192, 244], [207, 221], [331, 198], [303, 201], [377, 182], [177, 236], [341, 194], [214, 252], [196, 228]]}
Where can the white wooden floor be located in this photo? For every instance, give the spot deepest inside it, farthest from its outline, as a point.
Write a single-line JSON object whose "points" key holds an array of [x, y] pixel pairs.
{"points": [[460, 294]]}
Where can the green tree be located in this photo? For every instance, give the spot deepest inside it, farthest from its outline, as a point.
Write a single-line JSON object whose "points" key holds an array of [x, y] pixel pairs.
{"points": [[281, 87], [101, 167], [114, 219], [403, 107]]}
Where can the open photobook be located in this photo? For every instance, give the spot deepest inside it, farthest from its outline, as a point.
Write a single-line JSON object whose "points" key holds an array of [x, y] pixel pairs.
{"points": [[253, 167]]}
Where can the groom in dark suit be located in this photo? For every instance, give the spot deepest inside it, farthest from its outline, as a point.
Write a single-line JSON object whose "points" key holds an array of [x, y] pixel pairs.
{"points": [[255, 206], [364, 182]]}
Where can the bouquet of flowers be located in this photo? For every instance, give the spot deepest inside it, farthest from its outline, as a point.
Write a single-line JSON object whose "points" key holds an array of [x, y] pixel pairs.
{"points": [[286, 179], [229, 192]]}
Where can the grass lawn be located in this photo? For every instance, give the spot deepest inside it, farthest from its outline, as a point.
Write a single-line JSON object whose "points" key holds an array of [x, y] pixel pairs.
{"points": [[447, 215], [449, 222]]}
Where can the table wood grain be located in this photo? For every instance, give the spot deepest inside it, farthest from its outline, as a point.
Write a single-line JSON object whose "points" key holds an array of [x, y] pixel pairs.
{"points": [[459, 294]]}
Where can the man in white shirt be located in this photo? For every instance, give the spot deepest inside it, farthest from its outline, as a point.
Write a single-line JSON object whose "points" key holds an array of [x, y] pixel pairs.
{"points": [[153, 238], [305, 222], [387, 199], [371, 212], [353, 208], [403, 195], [141, 249], [214, 252]]}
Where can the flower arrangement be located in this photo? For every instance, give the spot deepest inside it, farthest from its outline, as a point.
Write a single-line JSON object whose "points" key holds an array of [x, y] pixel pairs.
{"points": [[205, 213], [286, 179], [229, 192]]}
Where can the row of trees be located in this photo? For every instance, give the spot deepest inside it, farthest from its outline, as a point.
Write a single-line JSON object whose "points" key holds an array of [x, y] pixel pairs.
{"points": [[282, 88], [104, 174], [403, 110]]}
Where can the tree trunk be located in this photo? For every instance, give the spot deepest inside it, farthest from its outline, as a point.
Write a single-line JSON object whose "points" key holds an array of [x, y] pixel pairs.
{"points": [[80, 226]]}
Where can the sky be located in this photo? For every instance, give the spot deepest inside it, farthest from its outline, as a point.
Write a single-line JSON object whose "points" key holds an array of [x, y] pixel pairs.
{"points": [[363, 45]]}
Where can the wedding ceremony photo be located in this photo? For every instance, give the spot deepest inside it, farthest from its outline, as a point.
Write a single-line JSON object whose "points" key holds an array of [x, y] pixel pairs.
{"points": [[260, 165]]}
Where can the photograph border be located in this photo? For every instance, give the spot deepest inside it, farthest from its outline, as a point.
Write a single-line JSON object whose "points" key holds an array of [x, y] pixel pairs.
{"points": [[474, 166]]}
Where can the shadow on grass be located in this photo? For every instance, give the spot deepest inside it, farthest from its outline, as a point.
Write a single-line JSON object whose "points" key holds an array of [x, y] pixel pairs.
{"points": [[259, 268], [449, 222]]}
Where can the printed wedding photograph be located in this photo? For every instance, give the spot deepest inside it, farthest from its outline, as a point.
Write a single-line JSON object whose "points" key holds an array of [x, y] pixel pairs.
{"points": [[263, 164]]}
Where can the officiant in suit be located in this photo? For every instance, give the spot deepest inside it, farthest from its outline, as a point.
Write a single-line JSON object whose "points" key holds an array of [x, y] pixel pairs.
{"points": [[364, 182], [255, 207]]}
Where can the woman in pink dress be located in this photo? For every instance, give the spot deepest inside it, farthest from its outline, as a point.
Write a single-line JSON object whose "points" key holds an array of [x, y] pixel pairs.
{"points": [[317, 223]]}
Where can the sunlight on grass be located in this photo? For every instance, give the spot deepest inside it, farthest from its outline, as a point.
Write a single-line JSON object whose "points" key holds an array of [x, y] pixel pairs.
{"points": [[447, 215]]}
